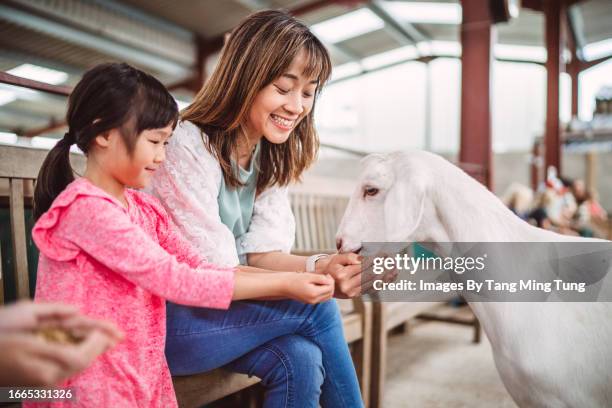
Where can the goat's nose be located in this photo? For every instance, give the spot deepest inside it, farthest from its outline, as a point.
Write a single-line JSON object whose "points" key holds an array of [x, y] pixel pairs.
{"points": [[338, 243]]}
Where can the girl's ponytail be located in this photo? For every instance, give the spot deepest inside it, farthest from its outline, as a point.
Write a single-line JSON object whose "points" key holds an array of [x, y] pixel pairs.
{"points": [[55, 174]]}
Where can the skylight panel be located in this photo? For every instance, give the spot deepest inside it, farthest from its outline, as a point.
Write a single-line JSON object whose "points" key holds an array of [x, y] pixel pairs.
{"points": [[424, 13], [37, 73], [347, 26]]}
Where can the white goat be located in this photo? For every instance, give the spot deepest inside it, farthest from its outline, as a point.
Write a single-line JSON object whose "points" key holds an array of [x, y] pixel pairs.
{"points": [[547, 354]]}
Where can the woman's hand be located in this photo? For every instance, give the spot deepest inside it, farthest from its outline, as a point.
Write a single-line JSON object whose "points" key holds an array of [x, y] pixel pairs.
{"points": [[346, 270], [310, 287]]}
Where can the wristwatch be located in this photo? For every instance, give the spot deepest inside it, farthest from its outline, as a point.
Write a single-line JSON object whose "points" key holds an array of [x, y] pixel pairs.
{"points": [[312, 260]]}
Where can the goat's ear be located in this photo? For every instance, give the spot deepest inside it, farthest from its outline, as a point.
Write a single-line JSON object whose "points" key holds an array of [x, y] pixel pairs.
{"points": [[404, 207]]}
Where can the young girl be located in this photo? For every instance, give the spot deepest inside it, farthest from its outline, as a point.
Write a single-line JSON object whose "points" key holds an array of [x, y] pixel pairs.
{"points": [[113, 251], [247, 135]]}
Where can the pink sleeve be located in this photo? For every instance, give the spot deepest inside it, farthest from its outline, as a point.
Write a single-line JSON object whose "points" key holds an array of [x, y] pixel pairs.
{"points": [[108, 235]]}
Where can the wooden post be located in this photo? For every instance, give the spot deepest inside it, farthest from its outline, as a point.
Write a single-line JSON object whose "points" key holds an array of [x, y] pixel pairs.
{"points": [[591, 171], [1, 281], [573, 70], [363, 348], [536, 165], [206, 48], [18, 235], [575, 76], [379, 359], [476, 43], [554, 12]]}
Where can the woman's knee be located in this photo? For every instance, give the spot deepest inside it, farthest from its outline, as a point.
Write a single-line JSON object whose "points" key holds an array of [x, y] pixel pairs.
{"points": [[325, 315], [295, 361]]}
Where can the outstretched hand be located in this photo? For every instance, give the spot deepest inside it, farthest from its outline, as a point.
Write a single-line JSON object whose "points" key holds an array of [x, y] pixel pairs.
{"points": [[45, 344], [25, 315]]}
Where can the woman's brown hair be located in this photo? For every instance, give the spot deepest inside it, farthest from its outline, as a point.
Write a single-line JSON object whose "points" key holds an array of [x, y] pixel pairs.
{"points": [[259, 50]]}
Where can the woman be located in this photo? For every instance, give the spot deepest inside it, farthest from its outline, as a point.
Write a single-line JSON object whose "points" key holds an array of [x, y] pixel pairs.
{"points": [[247, 135]]}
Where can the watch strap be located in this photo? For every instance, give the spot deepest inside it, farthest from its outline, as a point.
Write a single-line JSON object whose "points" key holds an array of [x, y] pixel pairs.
{"points": [[312, 260]]}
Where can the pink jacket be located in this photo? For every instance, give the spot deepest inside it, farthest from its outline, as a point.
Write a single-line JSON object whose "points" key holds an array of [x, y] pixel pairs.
{"points": [[122, 264]]}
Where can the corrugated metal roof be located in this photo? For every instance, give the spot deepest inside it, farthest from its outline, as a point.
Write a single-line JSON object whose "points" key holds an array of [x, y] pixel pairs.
{"points": [[22, 42]]}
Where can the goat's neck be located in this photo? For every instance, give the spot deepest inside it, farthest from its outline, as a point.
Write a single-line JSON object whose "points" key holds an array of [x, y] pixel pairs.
{"points": [[468, 212]]}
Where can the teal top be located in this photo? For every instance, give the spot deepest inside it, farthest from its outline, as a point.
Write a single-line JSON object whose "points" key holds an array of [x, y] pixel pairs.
{"points": [[236, 204]]}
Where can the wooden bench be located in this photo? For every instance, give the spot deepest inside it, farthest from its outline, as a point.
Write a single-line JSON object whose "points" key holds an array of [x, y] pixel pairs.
{"points": [[19, 168]]}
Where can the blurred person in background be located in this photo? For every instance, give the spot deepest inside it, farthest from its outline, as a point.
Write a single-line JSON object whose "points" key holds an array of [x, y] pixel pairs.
{"points": [[519, 198]]}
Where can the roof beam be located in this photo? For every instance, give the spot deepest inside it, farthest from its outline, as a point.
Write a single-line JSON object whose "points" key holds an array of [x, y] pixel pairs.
{"points": [[20, 58], [7, 78], [216, 43], [538, 5], [590, 64], [12, 115], [344, 51], [145, 18], [406, 34], [255, 5], [576, 28], [297, 11], [54, 125], [425, 60], [532, 4]]}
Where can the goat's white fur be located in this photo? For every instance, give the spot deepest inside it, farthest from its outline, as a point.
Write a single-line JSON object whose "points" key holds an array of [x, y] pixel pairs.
{"points": [[547, 354]]}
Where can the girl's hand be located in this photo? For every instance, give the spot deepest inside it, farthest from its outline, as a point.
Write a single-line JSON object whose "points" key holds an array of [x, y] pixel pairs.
{"points": [[310, 287], [346, 269]]}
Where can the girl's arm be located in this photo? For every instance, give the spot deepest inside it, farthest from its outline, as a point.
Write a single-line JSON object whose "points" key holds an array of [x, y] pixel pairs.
{"points": [[344, 268], [305, 287], [266, 285], [104, 231], [280, 261]]}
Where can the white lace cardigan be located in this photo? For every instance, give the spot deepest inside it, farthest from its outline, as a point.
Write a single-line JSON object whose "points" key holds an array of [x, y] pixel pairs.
{"points": [[188, 184]]}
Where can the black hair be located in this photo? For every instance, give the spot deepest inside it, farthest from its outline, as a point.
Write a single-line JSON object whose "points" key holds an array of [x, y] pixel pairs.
{"points": [[109, 96]]}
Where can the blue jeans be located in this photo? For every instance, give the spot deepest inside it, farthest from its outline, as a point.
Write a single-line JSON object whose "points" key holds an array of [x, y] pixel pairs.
{"points": [[297, 350]]}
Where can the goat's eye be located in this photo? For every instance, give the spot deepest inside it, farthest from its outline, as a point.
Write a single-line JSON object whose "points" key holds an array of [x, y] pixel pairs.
{"points": [[370, 191]]}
